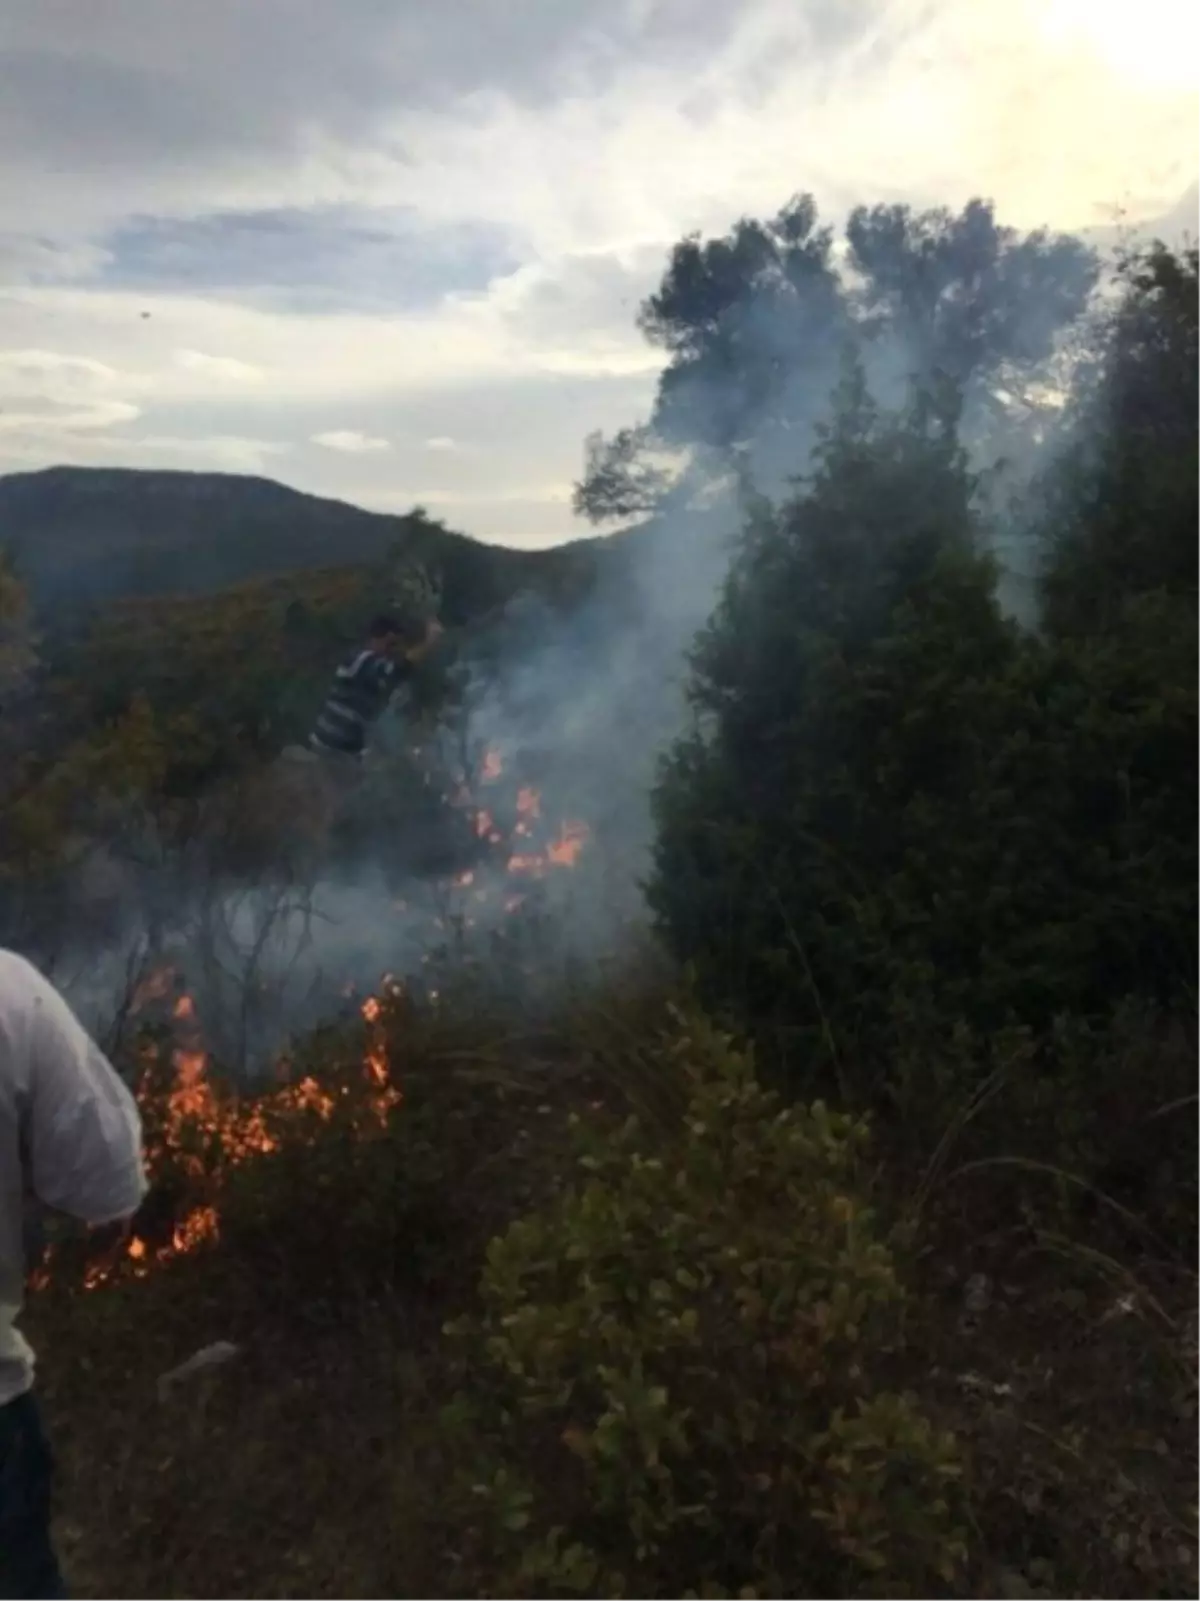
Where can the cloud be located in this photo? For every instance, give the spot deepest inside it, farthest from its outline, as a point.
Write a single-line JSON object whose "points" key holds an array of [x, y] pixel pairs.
{"points": [[227, 367], [39, 418], [166, 103], [45, 394], [29, 259], [328, 259], [87, 448], [350, 442], [441, 220], [440, 442]]}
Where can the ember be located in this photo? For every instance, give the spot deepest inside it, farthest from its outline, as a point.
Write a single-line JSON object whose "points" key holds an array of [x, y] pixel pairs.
{"points": [[201, 1132], [562, 851]]}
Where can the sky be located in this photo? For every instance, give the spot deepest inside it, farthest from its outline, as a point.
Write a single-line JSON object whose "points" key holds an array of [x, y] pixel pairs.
{"points": [[392, 251]]}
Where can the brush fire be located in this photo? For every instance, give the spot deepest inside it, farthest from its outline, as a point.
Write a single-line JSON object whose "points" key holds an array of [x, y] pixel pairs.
{"points": [[197, 1129]]}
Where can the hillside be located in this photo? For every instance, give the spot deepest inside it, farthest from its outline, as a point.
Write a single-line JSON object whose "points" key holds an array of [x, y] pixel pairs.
{"points": [[87, 536]]}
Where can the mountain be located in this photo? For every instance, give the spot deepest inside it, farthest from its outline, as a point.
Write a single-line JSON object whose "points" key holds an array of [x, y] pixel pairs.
{"points": [[82, 537]]}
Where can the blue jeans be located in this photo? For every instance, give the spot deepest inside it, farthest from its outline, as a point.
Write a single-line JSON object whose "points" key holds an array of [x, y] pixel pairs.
{"points": [[28, 1566]]}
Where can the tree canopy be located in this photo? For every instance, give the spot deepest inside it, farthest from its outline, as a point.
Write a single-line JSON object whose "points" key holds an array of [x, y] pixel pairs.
{"points": [[756, 325]]}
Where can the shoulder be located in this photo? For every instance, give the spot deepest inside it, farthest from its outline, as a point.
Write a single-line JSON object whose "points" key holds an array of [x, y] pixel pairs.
{"points": [[22, 987], [31, 1008], [382, 668], [27, 1002], [353, 665], [367, 664]]}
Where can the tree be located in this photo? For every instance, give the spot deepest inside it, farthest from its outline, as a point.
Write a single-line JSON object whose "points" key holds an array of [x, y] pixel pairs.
{"points": [[775, 809], [739, 317], [756, 324], [961, 295], [624, 476], [18, 643], [895, 806], [1119, 513], [27, 844]]}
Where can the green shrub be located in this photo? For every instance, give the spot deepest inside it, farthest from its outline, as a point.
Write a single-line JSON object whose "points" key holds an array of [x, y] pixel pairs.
{"points": [[897, 811], [1120, 503], [680, 1380]]}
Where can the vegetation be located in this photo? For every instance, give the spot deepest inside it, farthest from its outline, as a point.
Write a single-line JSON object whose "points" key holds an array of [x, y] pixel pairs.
{"points": [[841, 1239], [84, 537], [755, 326], [682, 1339]]}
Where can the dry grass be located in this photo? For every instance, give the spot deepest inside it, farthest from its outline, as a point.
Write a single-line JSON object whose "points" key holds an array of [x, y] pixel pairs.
{"points": [[299, 1468], [314, 1463], [309, 1464], [1077, 1408]]}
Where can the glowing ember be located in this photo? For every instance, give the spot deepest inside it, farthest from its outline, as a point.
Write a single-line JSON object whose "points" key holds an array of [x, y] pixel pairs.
{"points": [[530, 858], [201, 1133], [564, 852], [198, 1131]]}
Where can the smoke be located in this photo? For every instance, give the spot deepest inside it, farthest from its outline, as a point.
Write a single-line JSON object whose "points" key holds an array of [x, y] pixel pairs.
{"points": [[574, 709]]}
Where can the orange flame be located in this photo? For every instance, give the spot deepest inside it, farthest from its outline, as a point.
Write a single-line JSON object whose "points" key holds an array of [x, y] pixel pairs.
{"points": [[231, 1131], [529, 859], [204, 1133]]}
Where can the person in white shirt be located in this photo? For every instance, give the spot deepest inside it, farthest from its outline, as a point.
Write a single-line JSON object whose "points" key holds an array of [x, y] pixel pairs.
{"points": [[70, 1141]]}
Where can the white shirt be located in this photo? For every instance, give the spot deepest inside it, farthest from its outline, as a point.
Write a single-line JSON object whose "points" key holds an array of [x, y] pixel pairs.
{"points": [[70, 1137]]}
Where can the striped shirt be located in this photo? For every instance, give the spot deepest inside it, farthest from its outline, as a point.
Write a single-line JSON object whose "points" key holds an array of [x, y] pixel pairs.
{"points": [[360, 692]]}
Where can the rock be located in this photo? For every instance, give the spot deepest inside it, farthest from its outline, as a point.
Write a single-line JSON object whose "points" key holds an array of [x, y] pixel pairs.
{"points": [[207, 1357]]}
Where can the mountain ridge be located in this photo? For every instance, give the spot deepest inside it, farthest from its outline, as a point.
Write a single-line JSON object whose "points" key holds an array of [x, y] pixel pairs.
{"points": [[82, 537]]}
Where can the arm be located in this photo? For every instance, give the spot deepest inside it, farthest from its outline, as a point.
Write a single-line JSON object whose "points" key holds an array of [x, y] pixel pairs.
{"points": [[433, 633], [84, 1131]]}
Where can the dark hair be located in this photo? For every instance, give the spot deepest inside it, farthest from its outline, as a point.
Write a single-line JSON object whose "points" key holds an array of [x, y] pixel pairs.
{"points": [[388, 626], [382, 625]]}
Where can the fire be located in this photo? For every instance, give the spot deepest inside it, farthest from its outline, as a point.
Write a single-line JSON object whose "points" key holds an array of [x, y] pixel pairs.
{"points": [[563, 850], [200, 1132]]}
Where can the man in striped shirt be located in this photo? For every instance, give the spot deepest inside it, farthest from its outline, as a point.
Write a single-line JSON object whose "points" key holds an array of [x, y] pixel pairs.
{"points": [[364, 685], [360, 693], [334, 750]]}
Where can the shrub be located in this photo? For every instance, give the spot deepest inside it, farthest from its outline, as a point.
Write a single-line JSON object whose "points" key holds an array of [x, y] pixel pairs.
{"points": [[680, 1377], [896, 810], [1120, 504]]}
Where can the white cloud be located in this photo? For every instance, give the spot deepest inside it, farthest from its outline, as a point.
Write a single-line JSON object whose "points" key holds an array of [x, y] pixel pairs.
{"points": [[1158, 45], [350, 442], [46, 395], [88, 448], [227, 367], [52, 421], [593, 169], [52, 369], [26, 258], [224, 453]]}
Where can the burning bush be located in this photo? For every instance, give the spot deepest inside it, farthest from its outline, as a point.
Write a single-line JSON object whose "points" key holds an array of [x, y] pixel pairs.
{"points": [[676, 1381], [198, 1130]]}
